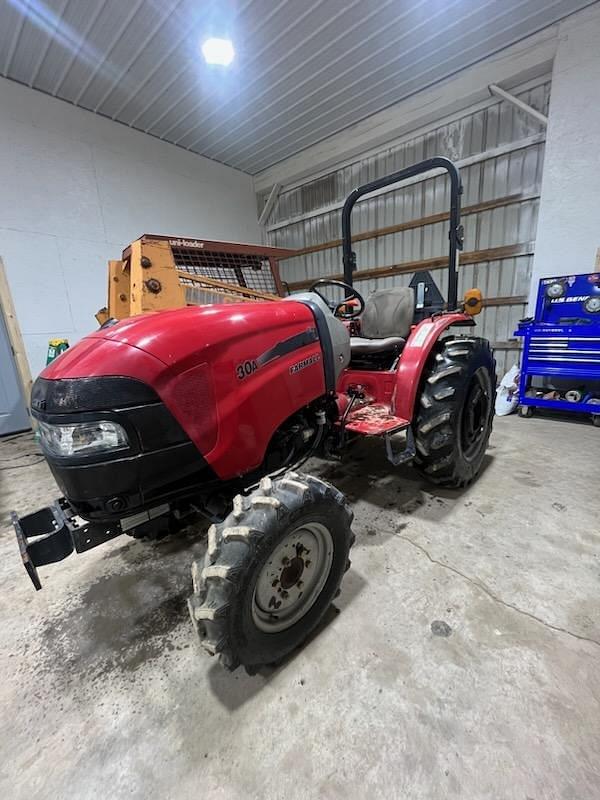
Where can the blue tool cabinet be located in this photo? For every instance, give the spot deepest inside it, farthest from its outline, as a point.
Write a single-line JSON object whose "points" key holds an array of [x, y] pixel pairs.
{"points": [[562, 342]]}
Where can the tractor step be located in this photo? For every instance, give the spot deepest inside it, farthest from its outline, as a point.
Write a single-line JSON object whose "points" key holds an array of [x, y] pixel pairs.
{"points": [[374, 420]]}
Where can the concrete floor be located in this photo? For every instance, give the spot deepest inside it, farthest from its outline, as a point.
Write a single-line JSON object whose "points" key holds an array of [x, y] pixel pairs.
{"points": [[106, 693]]}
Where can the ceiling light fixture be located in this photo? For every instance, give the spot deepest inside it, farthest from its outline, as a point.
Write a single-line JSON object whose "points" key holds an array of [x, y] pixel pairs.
{"points": [[218, 51]]}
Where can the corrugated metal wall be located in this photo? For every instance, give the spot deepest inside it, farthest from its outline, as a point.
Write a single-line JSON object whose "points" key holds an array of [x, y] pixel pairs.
{"points": [[516, 174]]}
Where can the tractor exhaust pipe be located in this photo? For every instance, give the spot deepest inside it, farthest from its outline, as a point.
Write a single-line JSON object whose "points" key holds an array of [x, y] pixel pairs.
{"points": [[455, 233]]}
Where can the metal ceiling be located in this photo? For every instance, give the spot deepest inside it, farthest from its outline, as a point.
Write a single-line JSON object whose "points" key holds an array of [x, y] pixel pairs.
{"points": [[303, 69]]}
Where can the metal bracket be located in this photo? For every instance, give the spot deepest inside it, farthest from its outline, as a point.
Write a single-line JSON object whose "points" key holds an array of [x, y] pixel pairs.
{"points": [[404, 455], [52, 533]]}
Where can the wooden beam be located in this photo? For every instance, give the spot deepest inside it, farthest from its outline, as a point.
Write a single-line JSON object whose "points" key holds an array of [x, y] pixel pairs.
{"points": [[14, 336], [226, 297], [488, 205], [224, 286], [440, 262], [499, 92], [270, 204], [503, 149]]}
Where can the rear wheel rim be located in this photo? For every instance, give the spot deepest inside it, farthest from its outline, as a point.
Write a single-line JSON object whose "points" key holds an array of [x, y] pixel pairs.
{"points": [[475, 414], [293, 577]]}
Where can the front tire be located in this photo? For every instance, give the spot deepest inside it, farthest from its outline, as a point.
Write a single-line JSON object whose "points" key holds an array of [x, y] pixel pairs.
{"points": [[455, 411], [271, 571]]}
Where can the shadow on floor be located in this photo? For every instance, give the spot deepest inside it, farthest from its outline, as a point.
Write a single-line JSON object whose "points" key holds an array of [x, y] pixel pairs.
{"points": [[134, 607], [127, 614], [367, 475], [235, 689]]}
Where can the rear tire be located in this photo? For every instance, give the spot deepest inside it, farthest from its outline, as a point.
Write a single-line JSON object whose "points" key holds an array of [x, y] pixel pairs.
{"points": [[455, 411], [257, 596]]}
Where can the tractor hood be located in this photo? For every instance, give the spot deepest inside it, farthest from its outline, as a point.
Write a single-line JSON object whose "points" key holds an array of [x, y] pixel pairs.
{"points": [[171, 337], [174, 335], [162, 350], [228, 374]]}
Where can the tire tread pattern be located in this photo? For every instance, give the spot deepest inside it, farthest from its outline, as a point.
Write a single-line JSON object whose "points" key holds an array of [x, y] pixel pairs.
{"points": [[450, 368], [232, 552]]}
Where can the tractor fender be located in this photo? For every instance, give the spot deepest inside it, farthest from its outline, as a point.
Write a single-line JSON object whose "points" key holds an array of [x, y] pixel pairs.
{"points": [[414, 358]]}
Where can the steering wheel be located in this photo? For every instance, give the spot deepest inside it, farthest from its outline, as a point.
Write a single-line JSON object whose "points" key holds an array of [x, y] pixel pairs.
{"points": [[336, 308]]}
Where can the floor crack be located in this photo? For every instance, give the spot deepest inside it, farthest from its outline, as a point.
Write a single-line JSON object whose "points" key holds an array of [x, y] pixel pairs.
{"points": [[492, 595]]}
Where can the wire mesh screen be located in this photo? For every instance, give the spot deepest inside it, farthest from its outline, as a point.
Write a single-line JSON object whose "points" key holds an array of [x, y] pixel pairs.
{"points": [[242, 269], [198, 296]]}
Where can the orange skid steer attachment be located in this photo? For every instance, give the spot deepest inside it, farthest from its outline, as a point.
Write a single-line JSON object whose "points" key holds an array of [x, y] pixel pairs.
{"points": [[164, 272]]}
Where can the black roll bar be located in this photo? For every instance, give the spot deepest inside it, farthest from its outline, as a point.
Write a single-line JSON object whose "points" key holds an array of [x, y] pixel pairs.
{"points": [[455, 233]]}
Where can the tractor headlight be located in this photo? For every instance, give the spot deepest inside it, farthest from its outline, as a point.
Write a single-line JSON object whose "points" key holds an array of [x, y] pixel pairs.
{"points": [[82, 438]]}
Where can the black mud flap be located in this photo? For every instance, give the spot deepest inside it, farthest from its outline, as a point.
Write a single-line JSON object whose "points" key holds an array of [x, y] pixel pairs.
{"points": [[52, 533]]}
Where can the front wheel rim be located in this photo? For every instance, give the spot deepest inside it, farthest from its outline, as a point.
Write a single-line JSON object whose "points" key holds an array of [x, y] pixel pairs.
{"points": [[475, 414], [292, 578]]}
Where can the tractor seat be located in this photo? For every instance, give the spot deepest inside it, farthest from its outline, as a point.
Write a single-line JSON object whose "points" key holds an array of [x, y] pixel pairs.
{"points": [[385, 322], [360, 346]]}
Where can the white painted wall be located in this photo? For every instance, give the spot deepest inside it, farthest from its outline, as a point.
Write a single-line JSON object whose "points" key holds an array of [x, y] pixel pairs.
{"points": [[568, 234], [76, 189]]}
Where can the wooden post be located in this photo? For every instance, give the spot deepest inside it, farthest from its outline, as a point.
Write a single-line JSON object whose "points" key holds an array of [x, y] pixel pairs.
{"points": [[14, 335]]}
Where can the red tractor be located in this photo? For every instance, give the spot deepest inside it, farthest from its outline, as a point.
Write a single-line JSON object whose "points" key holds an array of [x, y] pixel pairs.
{"points": [[206, 410]]}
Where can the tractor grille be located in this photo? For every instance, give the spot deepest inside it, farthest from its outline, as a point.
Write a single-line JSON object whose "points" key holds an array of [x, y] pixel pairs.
{"points": [[241, 269]]}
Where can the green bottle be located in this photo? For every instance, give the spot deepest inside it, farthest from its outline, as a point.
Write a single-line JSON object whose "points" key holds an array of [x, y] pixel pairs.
{"points": [[55, 348]]}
